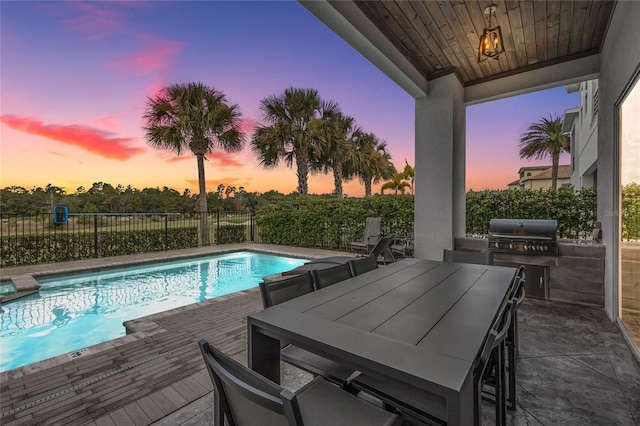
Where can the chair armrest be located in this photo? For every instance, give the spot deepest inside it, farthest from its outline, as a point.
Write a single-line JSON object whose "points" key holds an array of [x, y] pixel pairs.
{"points": [[376, 238]]}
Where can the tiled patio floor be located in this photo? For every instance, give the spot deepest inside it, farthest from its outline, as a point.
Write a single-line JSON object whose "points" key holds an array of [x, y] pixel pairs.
{"points": [[574, 368]]}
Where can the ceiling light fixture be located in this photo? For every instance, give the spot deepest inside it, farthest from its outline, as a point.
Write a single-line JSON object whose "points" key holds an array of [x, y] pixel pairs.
{"points": [[491, 44]]}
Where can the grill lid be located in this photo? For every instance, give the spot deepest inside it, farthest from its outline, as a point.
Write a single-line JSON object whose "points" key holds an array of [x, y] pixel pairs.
{"points": [[527, 228]]}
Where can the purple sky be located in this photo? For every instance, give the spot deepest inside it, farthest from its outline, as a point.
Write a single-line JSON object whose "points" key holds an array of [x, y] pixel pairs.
{"points": [[75, 77]]}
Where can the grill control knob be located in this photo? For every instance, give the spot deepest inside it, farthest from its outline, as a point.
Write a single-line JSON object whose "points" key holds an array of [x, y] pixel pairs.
{"points": [[512, 246], [497, 245], [545, 248]]}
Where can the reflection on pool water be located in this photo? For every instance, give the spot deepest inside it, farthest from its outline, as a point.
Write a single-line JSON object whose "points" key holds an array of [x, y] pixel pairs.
{"points": [[76, 311]]}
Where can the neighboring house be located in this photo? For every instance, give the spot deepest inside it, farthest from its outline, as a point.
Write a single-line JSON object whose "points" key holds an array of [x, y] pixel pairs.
{"points": [[582, 125], [539, 177]]}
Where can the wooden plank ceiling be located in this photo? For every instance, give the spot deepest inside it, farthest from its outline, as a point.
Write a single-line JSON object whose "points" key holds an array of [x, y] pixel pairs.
{"points": [[440, 37]]}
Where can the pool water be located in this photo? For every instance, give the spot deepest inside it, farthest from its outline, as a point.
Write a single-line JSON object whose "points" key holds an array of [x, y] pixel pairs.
{"points": [[73, 312]]}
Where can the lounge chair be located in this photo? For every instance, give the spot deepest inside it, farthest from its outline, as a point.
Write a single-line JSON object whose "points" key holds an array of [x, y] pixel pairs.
{"points": [[243, 397], [382, 248], [371, 235], [402, 248]]}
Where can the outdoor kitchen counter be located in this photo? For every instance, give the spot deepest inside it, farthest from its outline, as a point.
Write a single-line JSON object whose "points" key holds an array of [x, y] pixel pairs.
{"points": [[576, 273]]}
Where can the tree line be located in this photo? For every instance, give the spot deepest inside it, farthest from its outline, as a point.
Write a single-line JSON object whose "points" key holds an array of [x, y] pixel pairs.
{"points": [[104, 197]]}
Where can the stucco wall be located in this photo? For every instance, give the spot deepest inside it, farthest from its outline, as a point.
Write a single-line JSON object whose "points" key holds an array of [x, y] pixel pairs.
{"points": [[619, 60], [440, 154], [586, 138]]}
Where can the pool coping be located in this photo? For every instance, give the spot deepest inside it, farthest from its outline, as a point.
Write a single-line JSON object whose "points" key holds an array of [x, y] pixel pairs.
{"points": [[52, 270]]}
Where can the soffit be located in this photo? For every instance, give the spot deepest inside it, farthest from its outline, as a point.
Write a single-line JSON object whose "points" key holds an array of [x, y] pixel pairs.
{"points": [[441, 37]]}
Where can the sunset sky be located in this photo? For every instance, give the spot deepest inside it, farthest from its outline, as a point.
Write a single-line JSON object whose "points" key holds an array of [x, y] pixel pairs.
{"points": [[75, 77]]}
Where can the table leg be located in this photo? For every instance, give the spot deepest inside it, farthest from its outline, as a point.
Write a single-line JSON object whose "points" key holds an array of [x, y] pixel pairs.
{"points": [[264, 354], [460, 406]]}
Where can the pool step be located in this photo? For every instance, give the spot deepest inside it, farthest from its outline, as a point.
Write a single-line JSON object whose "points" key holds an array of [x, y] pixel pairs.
{"points": [[25, 282]]}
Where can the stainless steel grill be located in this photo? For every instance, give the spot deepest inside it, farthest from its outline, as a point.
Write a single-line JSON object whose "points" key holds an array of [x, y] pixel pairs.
{"points": [[523, 236]]}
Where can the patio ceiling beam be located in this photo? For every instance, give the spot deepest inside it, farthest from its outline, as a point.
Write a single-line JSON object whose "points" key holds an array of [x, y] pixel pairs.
{"points": [[561, 74], [347, 21]]}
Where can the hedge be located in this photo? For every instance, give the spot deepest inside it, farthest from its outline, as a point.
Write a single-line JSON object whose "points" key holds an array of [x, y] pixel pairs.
{"points": [[631, 211], [574, 210], [42, 248], [330, 222], [334, 223], [229, 234]]}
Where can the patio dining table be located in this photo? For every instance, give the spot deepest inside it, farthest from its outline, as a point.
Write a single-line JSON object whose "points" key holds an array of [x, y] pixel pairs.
{"points": [[418, 321]]}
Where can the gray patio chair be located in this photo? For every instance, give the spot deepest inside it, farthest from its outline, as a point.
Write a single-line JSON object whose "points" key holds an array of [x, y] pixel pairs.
{"points": [[274, 293], [477, 257], [371, 235], [363, 264], [491, 367], [277, 292], [517, 296], [328, 276], [406, 398], [243, 397]]}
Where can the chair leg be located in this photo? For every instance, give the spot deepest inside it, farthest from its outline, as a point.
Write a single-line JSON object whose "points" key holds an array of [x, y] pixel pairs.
{"points": [[218, 411], [501, 411], [512, 349], [512, 365]]}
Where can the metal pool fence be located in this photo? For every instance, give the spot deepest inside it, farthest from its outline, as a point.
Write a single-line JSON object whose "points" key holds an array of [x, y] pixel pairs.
{"points": [[42, 238]]}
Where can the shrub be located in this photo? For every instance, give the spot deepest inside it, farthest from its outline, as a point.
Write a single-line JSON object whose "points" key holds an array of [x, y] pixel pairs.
{"points": [[229, 234], [330, 222], [33, 249], [631, 211], [575, 211]]}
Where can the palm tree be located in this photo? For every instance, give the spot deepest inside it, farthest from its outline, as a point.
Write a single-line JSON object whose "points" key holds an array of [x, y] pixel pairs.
{"points": [[336, 142], [408, 174], [196, 118], [398, 183], [371, 161], [545, 138], [288, 135]]}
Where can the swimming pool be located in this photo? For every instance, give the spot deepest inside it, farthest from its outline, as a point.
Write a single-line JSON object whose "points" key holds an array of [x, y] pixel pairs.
{"points": [[77, 311]]}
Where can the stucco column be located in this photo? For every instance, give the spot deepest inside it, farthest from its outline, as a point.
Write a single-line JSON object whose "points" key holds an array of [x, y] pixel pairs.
{"points": [[440, 168]]}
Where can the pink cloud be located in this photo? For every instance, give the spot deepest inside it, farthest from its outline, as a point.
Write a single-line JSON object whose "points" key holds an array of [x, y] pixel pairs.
{"points": [[223, 159], [216, 159], [87, 138], [155, 57], [110, 121], [177, 159], [93, 20], [248, 125]]}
